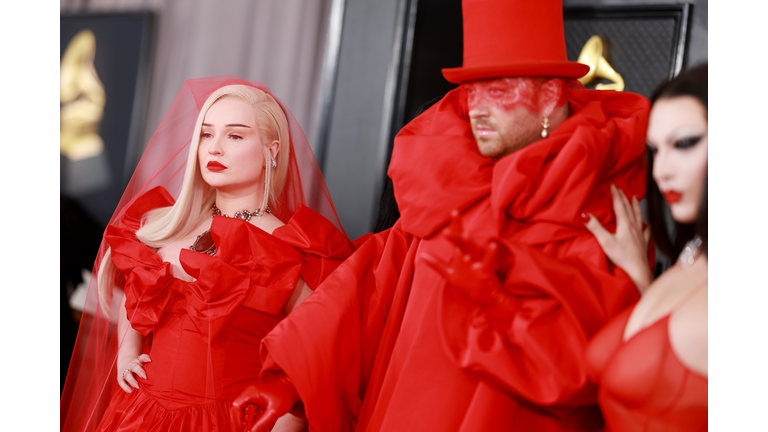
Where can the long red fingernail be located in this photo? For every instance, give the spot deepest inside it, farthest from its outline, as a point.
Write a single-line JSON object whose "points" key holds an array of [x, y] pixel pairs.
{"points": [[585, 217]]}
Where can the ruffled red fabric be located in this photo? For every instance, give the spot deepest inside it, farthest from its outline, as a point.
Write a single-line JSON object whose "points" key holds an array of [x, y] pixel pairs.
{"points": [[549, 183], [321, 244], [385, 346], [141, 412], [643, 385], [218, 319], [243, 268]]}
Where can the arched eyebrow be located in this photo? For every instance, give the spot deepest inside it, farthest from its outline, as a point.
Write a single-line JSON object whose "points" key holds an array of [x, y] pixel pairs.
{"points": [[232, 125], [685, 132]]}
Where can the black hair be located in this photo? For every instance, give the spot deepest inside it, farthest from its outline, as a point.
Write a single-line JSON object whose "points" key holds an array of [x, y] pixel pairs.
{"points": [[691, 82], [701, 220]]}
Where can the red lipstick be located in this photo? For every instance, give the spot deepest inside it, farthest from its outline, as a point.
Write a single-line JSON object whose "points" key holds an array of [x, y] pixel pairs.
{"points": [[672, 196], [215, 166]]}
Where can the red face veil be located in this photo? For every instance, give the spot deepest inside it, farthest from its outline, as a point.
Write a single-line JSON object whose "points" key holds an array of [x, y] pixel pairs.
{"points": [[532, 93], [91, 379]]}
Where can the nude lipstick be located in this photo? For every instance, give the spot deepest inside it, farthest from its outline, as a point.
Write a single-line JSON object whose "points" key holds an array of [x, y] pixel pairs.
{"points": [[215, 166], [483, 131], [672, 196]]}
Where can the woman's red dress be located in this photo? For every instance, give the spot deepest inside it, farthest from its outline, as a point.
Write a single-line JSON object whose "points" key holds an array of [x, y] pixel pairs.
{"points": [[643, 385], [206, 334]]}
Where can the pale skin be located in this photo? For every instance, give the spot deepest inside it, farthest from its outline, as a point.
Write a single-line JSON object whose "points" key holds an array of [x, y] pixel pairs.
{"points": [[229, 136], [677, 132], [627, 247]]}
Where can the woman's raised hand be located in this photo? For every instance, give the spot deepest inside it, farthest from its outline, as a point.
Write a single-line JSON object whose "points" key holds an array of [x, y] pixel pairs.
{"points": [[628, 247], [128, 368]]}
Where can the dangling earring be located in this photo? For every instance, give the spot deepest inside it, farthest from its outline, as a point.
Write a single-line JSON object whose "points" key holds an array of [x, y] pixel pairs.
{"points": [[545, 125], [274, 163]]}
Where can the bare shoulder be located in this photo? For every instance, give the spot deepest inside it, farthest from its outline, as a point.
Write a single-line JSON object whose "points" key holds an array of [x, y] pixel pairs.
{"points": [[267, 222], [688, 331]]}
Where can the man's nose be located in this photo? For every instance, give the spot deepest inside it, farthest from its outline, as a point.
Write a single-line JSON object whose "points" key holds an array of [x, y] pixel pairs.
{"points": [[478, 109]]}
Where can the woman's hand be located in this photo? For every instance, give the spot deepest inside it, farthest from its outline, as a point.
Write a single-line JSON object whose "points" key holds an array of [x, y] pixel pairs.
{"points": [[126, 369], [628, 248]]}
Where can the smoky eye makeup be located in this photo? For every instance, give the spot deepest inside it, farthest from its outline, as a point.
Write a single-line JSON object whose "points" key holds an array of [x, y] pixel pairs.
{"points": [[651, 149], [688, 142]]}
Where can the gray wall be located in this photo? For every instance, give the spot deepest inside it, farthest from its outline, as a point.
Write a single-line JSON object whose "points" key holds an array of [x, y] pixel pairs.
{"points": [[353, 164]]}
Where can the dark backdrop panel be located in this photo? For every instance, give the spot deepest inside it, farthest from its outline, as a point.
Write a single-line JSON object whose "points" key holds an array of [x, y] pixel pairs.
{"points": [[91, 188], [122, 63], [645, 44], [437, 44]]}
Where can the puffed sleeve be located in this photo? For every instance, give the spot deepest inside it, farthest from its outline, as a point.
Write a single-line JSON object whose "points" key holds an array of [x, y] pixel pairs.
{"points": [[322, 245], [149, 285], [558, 302]]}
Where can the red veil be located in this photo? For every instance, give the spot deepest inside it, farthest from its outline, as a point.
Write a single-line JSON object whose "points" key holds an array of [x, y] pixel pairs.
{"points": [[91, 380]]}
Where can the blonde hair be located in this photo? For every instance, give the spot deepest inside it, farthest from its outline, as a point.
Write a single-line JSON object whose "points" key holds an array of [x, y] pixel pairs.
{"points": [[167, 224]]}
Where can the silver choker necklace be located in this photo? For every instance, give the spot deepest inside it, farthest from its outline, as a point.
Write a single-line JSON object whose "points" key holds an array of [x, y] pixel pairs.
{"points": [[244, 215], [691, 251]]}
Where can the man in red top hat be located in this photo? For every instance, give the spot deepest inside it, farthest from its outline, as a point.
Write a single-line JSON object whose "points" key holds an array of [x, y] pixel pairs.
{"points": [[473, 312]]}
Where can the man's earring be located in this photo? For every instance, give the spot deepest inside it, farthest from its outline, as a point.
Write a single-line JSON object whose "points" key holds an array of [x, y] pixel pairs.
{"points": [[274, 163], [545, 125]]}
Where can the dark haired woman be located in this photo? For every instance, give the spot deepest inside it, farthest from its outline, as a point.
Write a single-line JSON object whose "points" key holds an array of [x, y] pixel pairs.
{"points": [[651, 361]]}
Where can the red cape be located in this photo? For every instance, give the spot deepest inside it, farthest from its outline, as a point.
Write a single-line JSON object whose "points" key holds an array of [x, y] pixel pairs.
{"points": [[382, 345]]}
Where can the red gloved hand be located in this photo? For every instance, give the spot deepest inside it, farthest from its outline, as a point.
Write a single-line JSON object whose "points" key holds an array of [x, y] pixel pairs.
{"points": [[271, 400], [472, 272]]}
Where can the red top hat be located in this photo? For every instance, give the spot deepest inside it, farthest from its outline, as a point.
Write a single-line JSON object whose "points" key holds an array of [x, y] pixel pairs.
{"points": [[507, 38]]}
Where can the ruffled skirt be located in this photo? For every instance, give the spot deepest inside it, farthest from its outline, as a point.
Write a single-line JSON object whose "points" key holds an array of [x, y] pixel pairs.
{"points": [[139, 411]]}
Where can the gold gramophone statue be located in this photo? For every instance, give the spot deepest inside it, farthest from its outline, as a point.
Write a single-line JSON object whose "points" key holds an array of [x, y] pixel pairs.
{"points": [[593, 56], [82, 99]]}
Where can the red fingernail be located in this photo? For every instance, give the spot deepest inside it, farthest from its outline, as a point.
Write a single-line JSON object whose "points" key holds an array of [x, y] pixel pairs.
{"points": [[585, 217]]}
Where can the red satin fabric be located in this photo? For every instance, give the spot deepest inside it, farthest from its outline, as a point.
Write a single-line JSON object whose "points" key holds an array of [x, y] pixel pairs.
{"points": [[643, 385], [386, 347], [206, 333]]}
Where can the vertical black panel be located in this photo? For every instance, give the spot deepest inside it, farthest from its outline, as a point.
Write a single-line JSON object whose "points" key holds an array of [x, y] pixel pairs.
{"points": [[437, 44], [122, 63]]}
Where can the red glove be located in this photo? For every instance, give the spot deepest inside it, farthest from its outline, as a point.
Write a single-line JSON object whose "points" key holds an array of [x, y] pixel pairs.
{"points": [[472, 271], [271, 400]]}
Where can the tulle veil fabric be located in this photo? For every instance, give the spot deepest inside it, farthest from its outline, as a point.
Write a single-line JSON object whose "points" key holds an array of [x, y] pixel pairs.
{"points": [[91, 380]]}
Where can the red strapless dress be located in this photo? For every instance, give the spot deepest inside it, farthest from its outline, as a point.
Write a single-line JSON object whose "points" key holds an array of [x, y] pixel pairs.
{"points": [[643, 385], [206, 334]]}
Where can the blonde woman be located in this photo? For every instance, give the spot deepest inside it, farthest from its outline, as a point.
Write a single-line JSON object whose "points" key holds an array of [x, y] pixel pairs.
{"points": [[206, 275]]}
